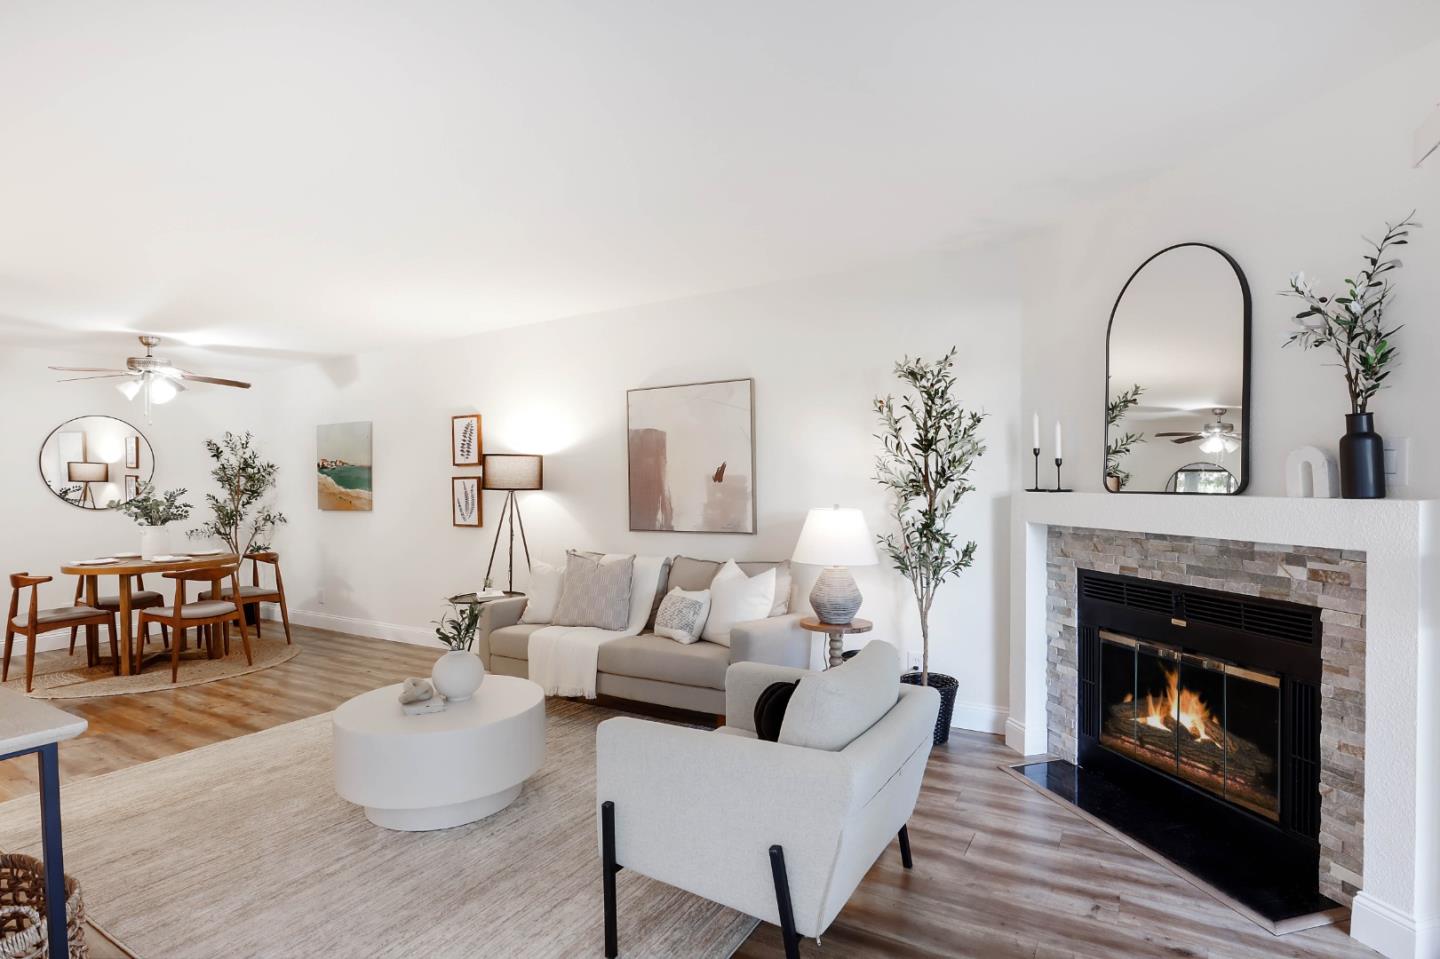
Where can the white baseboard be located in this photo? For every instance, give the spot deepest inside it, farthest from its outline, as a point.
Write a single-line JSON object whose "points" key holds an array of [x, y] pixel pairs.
{"points": [[414, 635], [978, 718], [1391, 932]]}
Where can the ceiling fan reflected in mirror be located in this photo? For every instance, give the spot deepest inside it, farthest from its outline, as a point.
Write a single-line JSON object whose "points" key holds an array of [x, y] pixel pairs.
{"points": [[149, 376], [1215, 438]]}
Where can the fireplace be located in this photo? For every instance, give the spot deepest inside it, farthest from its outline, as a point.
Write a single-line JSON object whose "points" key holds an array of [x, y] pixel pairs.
{"points": [[1198, 716], [1213, 725]]}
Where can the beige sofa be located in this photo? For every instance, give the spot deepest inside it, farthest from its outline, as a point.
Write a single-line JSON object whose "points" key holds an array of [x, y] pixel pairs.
{"points": [[653, 669]]}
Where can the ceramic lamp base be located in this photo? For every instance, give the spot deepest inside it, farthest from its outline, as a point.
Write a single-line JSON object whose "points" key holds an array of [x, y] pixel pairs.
{"points": [[835, 598]]}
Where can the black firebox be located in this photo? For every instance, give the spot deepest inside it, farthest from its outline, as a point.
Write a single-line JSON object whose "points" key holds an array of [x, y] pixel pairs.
{"points": [[1199, 733]]}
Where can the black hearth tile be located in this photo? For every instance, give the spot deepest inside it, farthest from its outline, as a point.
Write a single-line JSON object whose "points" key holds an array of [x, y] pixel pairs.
{"points": [[1236, 862]]}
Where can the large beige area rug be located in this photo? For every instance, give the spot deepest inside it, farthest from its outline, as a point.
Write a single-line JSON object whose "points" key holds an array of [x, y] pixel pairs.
{"points": [[242, 849], [59, 675]]}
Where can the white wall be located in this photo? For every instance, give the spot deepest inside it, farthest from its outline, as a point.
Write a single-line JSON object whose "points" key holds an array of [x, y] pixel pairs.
{"points": [[818, 350], [40, 532], [1294, 194]]}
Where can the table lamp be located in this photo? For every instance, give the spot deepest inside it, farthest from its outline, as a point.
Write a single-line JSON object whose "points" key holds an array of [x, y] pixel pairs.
{"points": [[512, 472], [836, 539]]}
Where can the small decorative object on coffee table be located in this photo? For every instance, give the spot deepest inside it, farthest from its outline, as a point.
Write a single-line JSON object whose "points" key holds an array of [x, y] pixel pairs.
{"points": [[443, 769], [837, 633], [418, 697], [836, 539], [458, 673]]}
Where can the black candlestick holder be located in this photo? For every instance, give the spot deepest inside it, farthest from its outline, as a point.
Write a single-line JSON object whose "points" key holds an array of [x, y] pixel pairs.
{"points": [[1059, 487], [1036, 488]]}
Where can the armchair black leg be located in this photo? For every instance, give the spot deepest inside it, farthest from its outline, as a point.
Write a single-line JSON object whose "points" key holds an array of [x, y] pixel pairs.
{"points": [[610, 868], [782, 900], [905, 859]]}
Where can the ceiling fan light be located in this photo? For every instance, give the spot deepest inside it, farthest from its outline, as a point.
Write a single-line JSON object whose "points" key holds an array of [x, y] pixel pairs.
{"points": [[161, 390], [1213, 445], [130, 388]]}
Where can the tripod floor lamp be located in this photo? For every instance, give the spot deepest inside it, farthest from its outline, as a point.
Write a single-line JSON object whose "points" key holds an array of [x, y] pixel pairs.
{"points": [[512, 472]]}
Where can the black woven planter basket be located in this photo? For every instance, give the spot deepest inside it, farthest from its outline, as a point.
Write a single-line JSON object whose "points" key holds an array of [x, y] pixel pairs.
{"points": [[946, 686]]}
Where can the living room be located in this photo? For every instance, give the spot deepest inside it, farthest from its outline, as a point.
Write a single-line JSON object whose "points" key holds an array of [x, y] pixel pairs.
{"points": [[472, 343]]}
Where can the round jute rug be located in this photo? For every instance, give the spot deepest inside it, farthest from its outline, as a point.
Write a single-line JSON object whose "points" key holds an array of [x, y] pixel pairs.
{"points": [[61, 676]]}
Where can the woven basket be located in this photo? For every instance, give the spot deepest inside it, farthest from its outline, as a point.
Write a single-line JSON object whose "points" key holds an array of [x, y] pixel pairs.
{"points": [[23, 931]]}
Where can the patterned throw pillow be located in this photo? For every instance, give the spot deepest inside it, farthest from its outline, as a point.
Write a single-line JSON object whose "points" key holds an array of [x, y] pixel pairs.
{"points": [[596, 590], [682, 615]]}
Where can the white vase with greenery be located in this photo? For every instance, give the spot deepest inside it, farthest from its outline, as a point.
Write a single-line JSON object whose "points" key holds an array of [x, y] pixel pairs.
{"points": [[459, 672], [154, 513]]}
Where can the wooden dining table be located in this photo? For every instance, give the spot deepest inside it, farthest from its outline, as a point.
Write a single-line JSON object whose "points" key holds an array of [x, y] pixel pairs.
{"points": [[125, 571]]}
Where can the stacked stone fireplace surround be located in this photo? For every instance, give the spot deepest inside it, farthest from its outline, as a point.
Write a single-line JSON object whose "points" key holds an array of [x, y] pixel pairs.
{"points": [[1332, 579]]}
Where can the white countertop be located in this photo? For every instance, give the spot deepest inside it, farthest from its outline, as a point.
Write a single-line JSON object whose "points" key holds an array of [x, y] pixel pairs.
{"points": [[26, 723]]}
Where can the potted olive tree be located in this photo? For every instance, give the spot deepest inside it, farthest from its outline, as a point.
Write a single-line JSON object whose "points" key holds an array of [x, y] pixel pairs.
{"points": [[238, 517], [929, 446]]}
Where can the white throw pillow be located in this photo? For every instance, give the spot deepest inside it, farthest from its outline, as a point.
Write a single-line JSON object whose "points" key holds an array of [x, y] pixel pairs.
{"points": [[830, 710], [544, 592], [682, 615], [737, 598]]}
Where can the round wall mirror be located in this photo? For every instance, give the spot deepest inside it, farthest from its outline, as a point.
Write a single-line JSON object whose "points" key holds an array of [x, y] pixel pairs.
{"points": [[1177, 376], [96, 462]]}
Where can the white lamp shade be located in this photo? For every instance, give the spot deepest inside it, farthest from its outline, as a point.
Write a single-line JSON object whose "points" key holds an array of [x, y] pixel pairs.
{"points": [[833, 536], [88, 472], [514, 471]]}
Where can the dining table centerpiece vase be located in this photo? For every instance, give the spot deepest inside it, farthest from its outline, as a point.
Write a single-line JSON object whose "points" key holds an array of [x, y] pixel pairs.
{"points": [[154, 512], [458, 673]]}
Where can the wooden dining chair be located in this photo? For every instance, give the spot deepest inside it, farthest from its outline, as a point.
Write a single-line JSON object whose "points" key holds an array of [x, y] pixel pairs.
{"points": [[37, 621], [255, 593], [203, 615], [140, 598]]}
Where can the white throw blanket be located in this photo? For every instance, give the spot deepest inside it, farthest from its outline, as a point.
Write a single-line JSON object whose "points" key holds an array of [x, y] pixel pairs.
{"points": [[565, 659]]}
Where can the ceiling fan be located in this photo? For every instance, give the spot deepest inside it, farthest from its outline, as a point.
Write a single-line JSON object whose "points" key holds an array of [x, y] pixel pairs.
{"points": [[148, 374], [1216, 437]]}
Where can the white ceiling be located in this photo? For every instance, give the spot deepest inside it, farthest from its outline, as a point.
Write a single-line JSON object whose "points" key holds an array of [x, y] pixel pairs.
{"points": [[284, 179]]}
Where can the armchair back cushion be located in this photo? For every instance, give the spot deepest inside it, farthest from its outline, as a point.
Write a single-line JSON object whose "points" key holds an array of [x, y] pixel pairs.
{"points": [[830, 710]]}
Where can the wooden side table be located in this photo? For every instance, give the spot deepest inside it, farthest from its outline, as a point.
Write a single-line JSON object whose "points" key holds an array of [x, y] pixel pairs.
{"points": [[837, 632]]}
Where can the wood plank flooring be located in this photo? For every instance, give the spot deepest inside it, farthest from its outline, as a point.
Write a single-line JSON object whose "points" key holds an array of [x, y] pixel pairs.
{"points": [[1000, 871]]}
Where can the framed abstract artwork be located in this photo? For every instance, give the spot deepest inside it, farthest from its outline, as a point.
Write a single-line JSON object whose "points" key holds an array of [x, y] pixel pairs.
{"points": [[692, 457], [466, 445], [466, 506], [343, 467]]}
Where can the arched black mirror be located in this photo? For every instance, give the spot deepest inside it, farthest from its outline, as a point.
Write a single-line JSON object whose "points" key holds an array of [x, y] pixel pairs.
{"points": [[1177, 376], [96, 462]]}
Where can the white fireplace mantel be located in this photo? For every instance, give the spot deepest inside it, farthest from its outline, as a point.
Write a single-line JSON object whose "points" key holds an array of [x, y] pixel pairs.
{"points": [[1398, 910]]}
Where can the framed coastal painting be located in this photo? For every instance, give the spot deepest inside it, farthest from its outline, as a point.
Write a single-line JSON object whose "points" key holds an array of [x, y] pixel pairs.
{"points": [[692, 457], [465, 504], [466, 446], [343, 466]]}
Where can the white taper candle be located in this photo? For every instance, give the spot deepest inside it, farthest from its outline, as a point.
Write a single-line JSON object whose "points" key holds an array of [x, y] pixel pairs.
{"points": [[1059, 448]]}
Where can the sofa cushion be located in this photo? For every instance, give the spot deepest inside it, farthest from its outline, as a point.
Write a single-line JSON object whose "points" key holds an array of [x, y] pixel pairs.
{"points": [[648, 656], [830, 710], [596, 592], [690, 574], [546, 582], [682, 615], [513, 641], [736, 597]]}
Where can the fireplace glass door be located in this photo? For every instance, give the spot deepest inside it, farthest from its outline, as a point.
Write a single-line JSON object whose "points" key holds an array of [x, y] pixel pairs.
{"points": [[1213, 725]]}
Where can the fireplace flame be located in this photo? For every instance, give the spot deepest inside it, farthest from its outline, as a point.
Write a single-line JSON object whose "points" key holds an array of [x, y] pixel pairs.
{"points": [[1193, 715]]}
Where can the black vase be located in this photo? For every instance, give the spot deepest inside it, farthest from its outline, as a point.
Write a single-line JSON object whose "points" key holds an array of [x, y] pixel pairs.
{"points": [[947, 687], [1362, 459]]}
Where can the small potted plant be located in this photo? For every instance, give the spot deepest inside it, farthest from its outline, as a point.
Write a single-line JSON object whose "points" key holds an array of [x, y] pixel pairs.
{"points": [[459, 672], [153, 513], [1118, 445], [1352, 324], [929, 446]]}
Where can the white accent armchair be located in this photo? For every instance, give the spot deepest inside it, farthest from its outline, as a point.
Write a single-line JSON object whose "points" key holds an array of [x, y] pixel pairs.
{"points": [[780, 832]]}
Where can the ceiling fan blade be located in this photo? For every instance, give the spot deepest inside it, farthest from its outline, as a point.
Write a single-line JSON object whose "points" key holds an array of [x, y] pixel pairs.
{"points": [[102, 376], [213, 379], [86, 369], [1178, 433], [1188, 439]]}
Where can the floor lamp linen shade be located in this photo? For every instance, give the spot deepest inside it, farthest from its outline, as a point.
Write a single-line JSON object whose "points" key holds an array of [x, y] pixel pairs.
{"points": [[514, 471]]}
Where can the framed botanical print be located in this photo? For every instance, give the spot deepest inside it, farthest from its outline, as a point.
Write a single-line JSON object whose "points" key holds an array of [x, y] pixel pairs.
{"points": [[466, 446], [132, 487], [466, 506], [132, 452], [692, 457]]}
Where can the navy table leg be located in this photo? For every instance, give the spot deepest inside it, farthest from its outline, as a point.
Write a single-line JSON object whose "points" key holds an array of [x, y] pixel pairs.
{"points": [[49, 757]]}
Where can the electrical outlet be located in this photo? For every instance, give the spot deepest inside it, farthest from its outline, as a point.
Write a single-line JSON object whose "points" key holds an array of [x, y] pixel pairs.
{"points": [[1397, 462], [913, 660]]}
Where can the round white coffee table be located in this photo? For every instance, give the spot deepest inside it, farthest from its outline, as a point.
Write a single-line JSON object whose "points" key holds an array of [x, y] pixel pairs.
{"points": [[441, 769]]}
